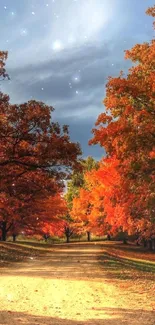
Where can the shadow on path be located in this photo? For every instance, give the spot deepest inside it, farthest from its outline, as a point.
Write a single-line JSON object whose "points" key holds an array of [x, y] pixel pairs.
{"points": [[109, 316], [84, 261]]}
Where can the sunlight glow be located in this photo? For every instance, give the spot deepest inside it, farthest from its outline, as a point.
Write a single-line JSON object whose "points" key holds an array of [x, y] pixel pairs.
{"points": [[57, 45]]}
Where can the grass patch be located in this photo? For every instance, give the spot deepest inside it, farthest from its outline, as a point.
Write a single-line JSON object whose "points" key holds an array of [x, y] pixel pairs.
{"points": [[126, 263], [120, 262], [11, 253]]}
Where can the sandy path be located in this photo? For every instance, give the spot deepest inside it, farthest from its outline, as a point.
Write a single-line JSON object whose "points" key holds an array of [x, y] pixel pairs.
{"points": [[67, 286]]}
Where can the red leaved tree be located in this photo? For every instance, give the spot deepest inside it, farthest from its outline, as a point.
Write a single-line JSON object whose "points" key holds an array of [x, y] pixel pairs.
{"points": [[36, 155], [127, 132]]}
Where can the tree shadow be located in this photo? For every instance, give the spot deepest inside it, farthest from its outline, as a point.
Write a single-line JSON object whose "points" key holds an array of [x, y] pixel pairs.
{"points": [[15, 255], [64, 263], [103, 316], [72, 261], [113, 262], [129, 248]]}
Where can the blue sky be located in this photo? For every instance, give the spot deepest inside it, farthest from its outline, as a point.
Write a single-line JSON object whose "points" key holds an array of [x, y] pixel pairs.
{"points": [[62, 51]]}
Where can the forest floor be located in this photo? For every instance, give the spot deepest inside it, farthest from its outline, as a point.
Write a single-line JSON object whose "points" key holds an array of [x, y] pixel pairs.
{"points": [[98, 283]]}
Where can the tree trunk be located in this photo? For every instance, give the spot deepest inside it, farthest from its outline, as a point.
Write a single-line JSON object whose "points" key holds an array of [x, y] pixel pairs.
{"points": [[88, 235], [153, 244], [68, 233], [137, 243], [125, 241], [4, 231], [45, 236], [150, 245], [108, 237], [67, 238], [14, 237], [145, 243]]}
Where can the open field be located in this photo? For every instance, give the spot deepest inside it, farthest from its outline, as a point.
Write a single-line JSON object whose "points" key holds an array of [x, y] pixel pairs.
{"points": [[79, 283]]}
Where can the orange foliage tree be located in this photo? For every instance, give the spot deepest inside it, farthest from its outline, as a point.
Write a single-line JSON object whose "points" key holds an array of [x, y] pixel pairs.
{"points": [[48, 218], [94, 207], [127, 132], [77, 187], [80, 212]]}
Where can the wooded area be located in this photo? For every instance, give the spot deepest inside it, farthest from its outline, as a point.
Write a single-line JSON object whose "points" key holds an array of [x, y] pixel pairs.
{"points": [[107, 197]]}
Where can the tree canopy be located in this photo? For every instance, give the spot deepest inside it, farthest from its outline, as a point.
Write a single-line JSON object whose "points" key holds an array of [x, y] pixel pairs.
{"points": [[36, 155], [125, 179]]}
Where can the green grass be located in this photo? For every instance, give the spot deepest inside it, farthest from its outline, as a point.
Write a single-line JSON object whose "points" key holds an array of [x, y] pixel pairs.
{"points": [[126, 263]]}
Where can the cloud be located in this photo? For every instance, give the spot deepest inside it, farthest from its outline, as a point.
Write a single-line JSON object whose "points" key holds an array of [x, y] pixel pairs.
{"points": [[64, 40], [80, 130], [54, 79], [69, 24]]}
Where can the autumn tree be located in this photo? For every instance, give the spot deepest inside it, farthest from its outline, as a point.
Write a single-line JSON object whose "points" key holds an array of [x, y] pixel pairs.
{"points": [[36, 155], [74, 186], [48, 217], [107, 212], [3, 58], [127, 132], [68, 229], [77, 181], [80, 212], [94, 207]]}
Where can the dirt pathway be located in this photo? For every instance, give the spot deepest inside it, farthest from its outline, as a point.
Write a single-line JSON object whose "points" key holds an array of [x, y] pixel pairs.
{"points": [[67, 286]]}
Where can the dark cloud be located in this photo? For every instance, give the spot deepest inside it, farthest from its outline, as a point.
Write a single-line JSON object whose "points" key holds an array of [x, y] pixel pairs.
{"points": [[50, 80], [80, 130]]}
